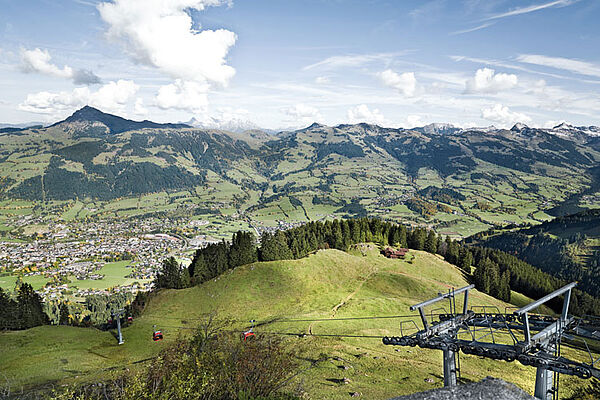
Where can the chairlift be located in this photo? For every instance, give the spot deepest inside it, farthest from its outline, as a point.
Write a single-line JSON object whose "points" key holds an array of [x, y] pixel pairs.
{"points": [[157, 335], [249, 334]]}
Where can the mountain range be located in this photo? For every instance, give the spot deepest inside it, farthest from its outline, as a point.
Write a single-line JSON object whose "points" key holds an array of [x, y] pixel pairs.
{"points": [[436, 173]]}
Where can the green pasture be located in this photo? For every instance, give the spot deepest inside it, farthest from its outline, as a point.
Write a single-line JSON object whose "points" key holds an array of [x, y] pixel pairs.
{"points": [[328, 285], [114, 275], [36, 281]]}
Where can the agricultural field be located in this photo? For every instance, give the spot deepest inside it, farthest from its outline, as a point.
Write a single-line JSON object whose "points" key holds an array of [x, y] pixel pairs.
{"points": [[8, 282], [115, 274]]}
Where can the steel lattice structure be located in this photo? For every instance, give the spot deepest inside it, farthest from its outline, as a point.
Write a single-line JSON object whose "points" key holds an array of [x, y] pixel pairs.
{"points": [[533, 340]]}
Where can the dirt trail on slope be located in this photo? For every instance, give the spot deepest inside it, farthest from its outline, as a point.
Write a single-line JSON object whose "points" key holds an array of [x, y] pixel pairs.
{"points": [[345, 300]]}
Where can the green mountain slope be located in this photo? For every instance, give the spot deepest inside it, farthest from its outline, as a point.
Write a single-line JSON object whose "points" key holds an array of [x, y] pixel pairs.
{"points": [[328, 284], [496, 177]]}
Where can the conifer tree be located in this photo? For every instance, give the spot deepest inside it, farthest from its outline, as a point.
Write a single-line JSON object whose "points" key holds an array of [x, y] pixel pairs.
{"points": [[417, 239], [198, 269], [453, 252], [274, 247], [170, 275], [431, 243], [481, 278], [8, 311], [402, 240], [336, 240], [63, 318], [30, 308], [217, 257], [465, 260], [242, 250]]}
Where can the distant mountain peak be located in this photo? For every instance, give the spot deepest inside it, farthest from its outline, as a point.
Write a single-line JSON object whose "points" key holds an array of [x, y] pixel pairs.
{"points": [[86, 113], [237, 125], [518, 127], [437, 128], [564, 125], [113, 123], [315, 125]]}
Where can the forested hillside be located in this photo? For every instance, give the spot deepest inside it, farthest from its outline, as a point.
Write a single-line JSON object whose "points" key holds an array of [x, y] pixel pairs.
{"points": [[458, 180], [494, 272], [567, 247]]}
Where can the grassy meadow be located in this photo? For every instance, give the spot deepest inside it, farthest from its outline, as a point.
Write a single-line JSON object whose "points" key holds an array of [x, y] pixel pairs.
{"points": [[327, 285]]}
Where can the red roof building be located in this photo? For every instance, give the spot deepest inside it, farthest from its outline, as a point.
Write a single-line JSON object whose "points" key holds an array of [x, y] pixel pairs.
{"points": [[391, 253]]}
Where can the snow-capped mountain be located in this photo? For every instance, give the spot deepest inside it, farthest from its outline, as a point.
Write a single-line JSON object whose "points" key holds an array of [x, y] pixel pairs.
{"points": [[565, 129], [490, 128], [236, 125], [437, 128], [519, 127]]}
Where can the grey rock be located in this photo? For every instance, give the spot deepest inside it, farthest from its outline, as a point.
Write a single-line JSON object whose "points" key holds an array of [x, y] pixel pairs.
{"points": [[486, 389]]}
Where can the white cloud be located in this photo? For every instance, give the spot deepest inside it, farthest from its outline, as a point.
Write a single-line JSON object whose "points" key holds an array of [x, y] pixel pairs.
{"points": [[352, 60], [161, 34], [114, 95], [139, 108], [184, 95], [362, 113], [532, 8], [303, 112], [487, 81], [503, 115], [413, 121], [111, 97], [519, 68], [54, 103], [476, 28], [405, 83], [39, 61], [322, 80], [567, 64]]}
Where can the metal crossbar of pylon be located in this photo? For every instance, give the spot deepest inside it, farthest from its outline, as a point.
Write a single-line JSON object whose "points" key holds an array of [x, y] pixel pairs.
{"points": [[532, 339]]}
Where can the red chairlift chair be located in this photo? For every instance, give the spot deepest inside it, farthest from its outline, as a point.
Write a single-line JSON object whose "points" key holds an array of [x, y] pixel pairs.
{"points": [[157, 335], [249, 334]]}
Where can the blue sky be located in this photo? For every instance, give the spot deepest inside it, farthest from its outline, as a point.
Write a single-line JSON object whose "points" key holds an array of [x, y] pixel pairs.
{"points": [[288, 63]]}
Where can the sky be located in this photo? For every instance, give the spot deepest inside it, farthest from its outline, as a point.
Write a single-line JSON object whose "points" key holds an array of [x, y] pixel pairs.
{"points": [[287, 63]]}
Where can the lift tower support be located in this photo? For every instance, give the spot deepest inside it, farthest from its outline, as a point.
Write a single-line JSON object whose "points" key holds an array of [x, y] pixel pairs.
{"points": [[117, 315], [547, 339], [536, 339], [449, 327]]}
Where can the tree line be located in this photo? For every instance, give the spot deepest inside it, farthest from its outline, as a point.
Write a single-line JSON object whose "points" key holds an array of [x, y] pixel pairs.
{"points": [[23, 308], [24, 311], [550, 248], [496, 272]]}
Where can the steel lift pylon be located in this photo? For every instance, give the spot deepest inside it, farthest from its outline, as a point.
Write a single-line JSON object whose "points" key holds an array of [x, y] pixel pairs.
{"points": [[117, 315], [547, 339], [535, 338], [449, 327]]}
